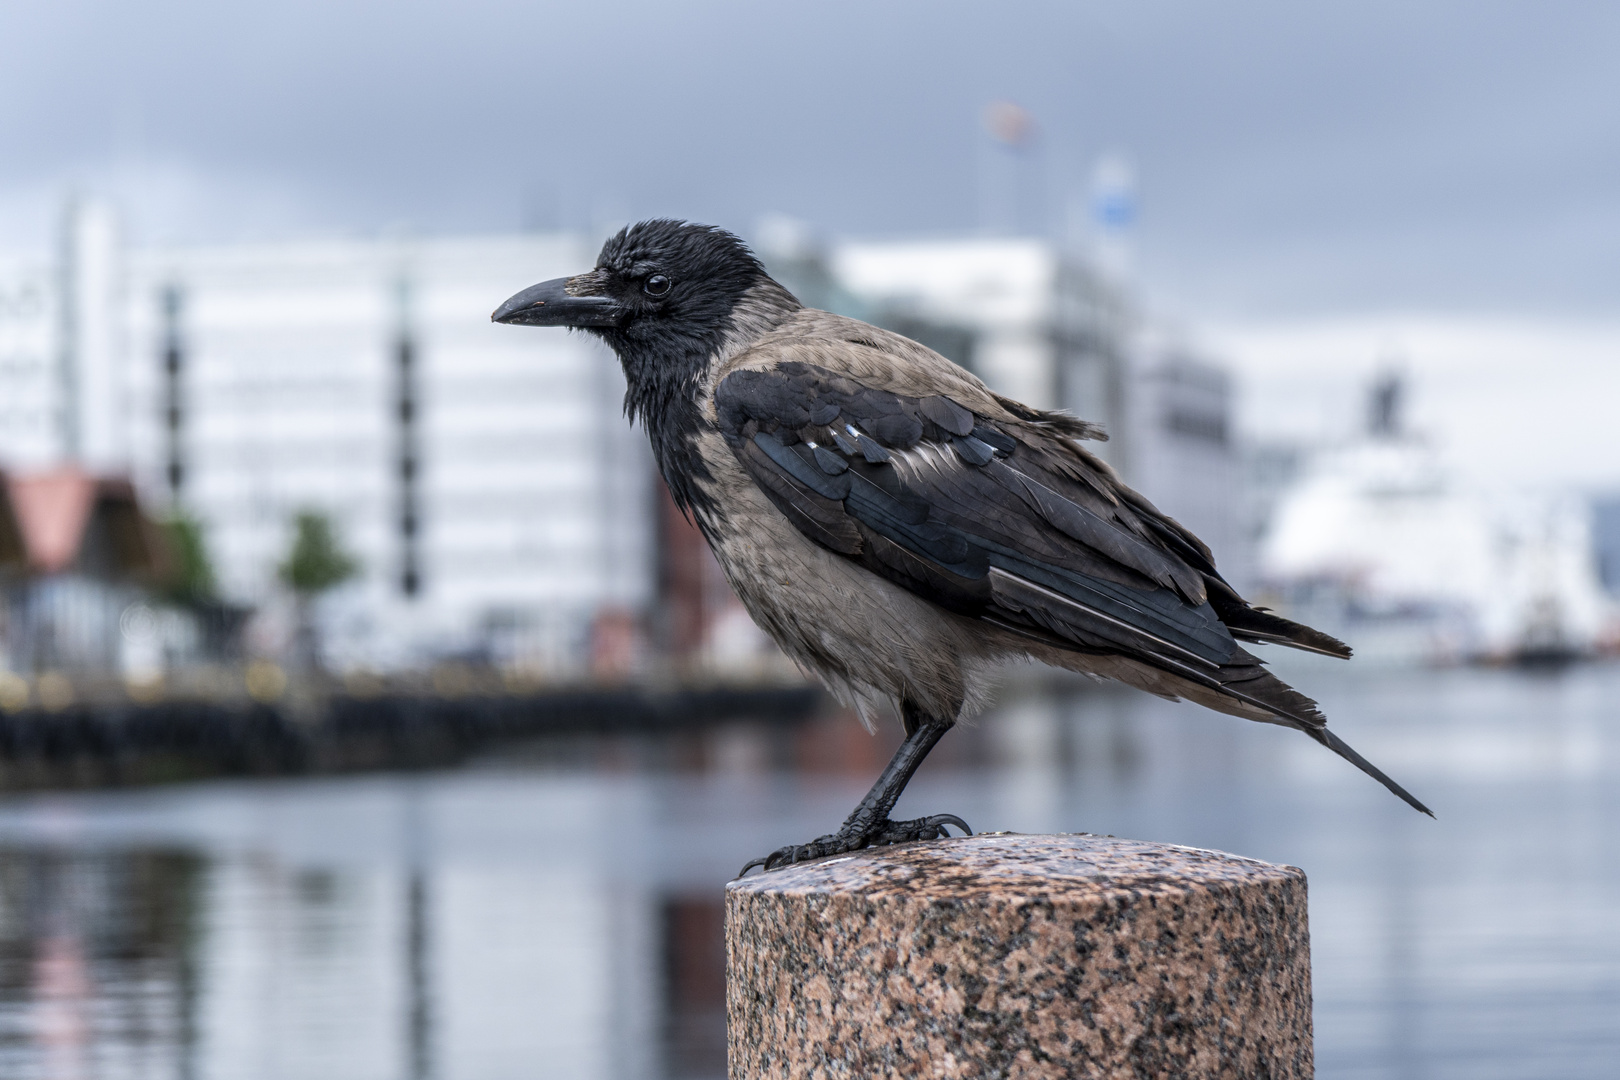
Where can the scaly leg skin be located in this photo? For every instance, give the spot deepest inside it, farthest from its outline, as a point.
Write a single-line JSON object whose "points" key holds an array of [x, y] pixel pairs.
{"points": [[869, 825]]}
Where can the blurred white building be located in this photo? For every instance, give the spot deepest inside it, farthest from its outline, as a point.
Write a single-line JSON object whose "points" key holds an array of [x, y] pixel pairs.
{"points": [[1182, 453], [1045, 329], [497, 501], [63, 348]]}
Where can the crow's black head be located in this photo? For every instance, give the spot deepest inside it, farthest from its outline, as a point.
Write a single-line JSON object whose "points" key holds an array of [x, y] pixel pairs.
{"points": [[665, 295], [652, 280], [672, 277]]}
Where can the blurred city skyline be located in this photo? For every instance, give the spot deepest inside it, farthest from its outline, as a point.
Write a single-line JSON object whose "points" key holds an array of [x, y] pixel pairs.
{"points": [[1291, 162], [1311, 201]]}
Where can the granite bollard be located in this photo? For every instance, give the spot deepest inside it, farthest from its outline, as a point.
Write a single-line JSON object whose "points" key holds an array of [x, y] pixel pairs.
{"points": [[1005, 955]]}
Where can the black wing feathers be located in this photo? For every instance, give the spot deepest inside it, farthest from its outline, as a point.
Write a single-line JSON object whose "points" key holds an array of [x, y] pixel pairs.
{"points": [[947, 414], [1259, 625], [1091, 529], [956, 493], [818, 516]]}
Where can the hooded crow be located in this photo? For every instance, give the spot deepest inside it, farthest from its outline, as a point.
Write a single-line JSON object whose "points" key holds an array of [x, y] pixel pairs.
{"points": [[899, 528]]}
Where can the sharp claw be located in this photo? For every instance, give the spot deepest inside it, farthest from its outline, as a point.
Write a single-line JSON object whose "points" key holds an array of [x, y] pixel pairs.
{"points": [[941, 820], [883, 832]]}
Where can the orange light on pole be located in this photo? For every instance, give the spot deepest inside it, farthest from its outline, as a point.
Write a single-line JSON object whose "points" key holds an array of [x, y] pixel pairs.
{"points": [[1009, 124]]}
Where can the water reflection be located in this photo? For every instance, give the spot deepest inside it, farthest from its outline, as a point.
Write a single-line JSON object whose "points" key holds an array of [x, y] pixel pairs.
{"points": [[418, 930], [98, 961], [694, 990], [556, 911]]}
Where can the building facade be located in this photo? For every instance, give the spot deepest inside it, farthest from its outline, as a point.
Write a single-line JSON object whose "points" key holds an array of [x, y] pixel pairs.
{"points": [[497, 503]]}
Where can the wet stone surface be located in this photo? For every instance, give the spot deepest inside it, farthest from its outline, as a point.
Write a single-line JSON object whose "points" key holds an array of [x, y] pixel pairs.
{"points": [[1020, 956]]}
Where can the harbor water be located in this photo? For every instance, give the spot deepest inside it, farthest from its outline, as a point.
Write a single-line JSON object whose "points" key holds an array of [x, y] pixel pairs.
{"points": [[554, 910]]}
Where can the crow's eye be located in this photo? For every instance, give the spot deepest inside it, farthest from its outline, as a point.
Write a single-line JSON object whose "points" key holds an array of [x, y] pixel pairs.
{"points": [[657, 285]]}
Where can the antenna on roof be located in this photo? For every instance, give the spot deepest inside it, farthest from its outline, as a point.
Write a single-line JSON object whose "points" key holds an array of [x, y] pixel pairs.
{"points": [[1385, 403]]}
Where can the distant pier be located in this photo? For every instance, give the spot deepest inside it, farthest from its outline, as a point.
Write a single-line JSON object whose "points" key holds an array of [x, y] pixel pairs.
{"points": [[113, 743]]}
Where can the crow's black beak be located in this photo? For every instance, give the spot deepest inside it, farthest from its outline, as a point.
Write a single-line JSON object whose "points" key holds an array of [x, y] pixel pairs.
{"points": [[550, 304]]}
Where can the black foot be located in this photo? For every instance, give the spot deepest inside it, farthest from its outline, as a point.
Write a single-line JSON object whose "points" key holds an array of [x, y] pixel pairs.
{"points": [[850, 838]]}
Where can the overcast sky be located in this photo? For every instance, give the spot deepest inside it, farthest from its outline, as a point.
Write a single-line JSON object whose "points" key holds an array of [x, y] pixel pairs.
{"points": [[1293, 159]]}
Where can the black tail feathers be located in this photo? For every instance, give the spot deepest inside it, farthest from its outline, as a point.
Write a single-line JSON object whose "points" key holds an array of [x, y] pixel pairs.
{"points": [[1262, 627], [1265, 627], [1344, 750]]}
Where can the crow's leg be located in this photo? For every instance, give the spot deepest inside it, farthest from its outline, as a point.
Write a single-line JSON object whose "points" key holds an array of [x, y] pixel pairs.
{"points": [[869, 825]]}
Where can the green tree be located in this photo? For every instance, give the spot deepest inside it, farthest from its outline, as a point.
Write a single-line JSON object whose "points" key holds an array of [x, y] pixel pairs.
{"points": [[317, 561], [191, 580]]}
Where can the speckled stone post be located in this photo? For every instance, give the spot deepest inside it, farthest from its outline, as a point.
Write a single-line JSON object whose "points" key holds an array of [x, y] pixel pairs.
{"points": [[1020, 956]]}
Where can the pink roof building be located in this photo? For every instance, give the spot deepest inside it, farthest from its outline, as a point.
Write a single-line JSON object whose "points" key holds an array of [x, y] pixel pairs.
{"points": [[68, 520]]}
